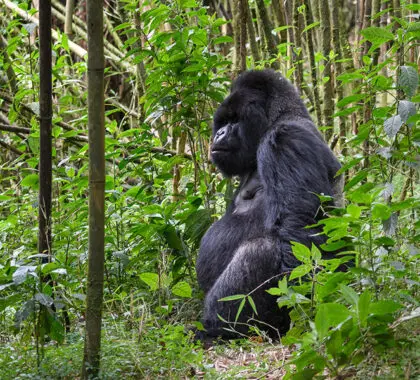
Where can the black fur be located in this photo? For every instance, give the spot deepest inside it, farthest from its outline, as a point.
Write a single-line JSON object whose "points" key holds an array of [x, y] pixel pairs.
{"points": [[263, 134]]}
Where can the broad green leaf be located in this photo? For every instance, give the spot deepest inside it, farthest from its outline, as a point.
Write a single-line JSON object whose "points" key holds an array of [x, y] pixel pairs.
{"points": [[392, 126], [31, 180], [281, 289], [56, 328], [406, 109], [349, 77], [349, 294], [316, 253], [151, 279], [329, 315], [408, 80], [44, 299], [384, 307], [377, 35], [222, 40], [351, 99], [354, 211], [300, 271], [381, 211], [22, 272], [413, 27], [301, 252], [363, 306], [172, 238], [335, 343], [182, 289]]}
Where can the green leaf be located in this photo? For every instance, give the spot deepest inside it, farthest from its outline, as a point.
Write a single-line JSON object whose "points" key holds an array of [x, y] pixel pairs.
{"points": [[44, 299], [222, 40], [381, 211], [349, 294], [310, 26], [406, 109], [301, 252], [252, 303], [316, 253], [182, 289], [151, 279], [363, 306], [281, 289], [329, 315], [240, 308], [408, 80], [351, 99], [32, 181], [413, 27], [354, 211], [172, 238], [384, 307], [197, 224], [392, 126], [300, 271], [199, 37], [187, 4], [377, 35], [233, 298]]}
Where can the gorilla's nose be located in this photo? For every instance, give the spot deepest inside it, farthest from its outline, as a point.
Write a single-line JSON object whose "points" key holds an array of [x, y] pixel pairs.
{"points": [[220, 134]]}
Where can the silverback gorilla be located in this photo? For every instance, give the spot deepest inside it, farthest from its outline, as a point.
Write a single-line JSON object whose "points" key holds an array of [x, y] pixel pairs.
{"points": [[262, 133]]}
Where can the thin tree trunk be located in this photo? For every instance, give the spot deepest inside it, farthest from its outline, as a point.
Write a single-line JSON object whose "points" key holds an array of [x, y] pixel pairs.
{"points": [[312, 65], [328, 109], [336, 39], [68, 24], [298, 27], [91, 360], [400, 52], [236, 37], [243, 4], [288, 16], [278, 8], [251, 34], [45, 104], [267, 28], [383, 49], [7, 65]]}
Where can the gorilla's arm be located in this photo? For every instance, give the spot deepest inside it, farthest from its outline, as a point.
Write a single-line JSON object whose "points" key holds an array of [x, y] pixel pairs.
{"points": [[295, 165]]}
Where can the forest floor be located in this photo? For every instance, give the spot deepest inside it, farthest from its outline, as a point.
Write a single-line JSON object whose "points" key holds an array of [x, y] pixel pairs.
{"points": [[167, 353]]}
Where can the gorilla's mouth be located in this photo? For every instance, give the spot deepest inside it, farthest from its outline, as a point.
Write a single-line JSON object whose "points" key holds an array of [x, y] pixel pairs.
{"points": [[219, 150]]}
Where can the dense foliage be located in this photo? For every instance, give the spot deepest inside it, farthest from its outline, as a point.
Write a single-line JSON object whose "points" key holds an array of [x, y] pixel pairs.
{"points": [[169, 65]]}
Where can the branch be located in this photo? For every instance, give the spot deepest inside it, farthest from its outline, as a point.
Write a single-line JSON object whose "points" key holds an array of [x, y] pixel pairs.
{"points": [[9, 128], [11, 148]]}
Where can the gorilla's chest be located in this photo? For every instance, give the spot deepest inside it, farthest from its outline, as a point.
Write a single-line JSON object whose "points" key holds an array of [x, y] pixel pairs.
{"points": [[249, 196], [243, 221]]}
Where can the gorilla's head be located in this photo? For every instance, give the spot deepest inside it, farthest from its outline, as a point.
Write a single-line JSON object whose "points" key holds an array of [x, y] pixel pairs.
{"points": [[257, 98]]}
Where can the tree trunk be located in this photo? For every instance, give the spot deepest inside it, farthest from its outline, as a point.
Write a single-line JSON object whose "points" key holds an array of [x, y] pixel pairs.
{"points": [[328, 109], [336, 39], [267, 28], [251, 34], [45, 104], [312, 64], [95, 282]]}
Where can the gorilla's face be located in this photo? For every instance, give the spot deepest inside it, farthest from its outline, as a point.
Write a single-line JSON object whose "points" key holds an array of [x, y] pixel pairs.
{"points": [[239, 124]]}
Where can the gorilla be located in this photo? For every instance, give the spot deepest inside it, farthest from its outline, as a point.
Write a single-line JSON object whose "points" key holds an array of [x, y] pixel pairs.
{"points": [[263, 134]]}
